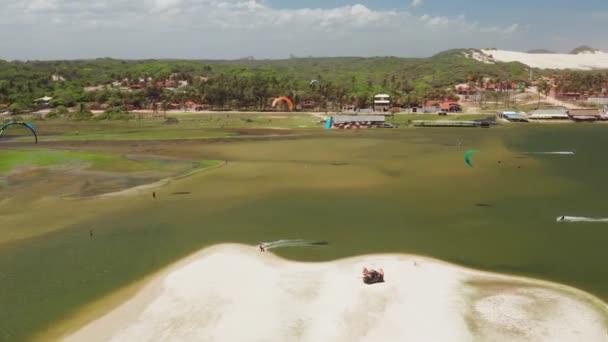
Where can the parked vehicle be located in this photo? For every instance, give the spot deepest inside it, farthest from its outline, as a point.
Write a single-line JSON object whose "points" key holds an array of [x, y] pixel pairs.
{"points": [[372, 276]]}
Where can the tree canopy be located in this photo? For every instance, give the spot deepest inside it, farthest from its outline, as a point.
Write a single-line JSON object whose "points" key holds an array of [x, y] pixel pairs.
{"points": [[243, 84]]}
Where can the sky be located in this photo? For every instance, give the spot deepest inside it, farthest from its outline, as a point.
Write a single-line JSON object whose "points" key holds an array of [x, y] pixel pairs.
{"points": [[231, 29]]}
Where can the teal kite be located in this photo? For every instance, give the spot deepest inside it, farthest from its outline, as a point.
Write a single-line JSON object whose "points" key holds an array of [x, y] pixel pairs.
{"points": [[467, 157], [22, 123]]}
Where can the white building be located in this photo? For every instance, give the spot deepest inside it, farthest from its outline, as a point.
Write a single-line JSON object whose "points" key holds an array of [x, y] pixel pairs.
{"points": [[382, 103], [598, 100], [549, 114], [43, 100]]}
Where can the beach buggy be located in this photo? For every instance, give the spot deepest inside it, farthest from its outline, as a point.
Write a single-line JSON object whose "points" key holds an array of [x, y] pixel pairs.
{"points": [[372, 276]]}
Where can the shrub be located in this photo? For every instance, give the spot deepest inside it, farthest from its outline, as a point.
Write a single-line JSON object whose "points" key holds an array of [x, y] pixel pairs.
{"points": [[52, 115], [81, 115]]}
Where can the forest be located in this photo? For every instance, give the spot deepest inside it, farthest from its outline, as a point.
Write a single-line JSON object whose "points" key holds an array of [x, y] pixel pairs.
{"points": [[250, 84], [589, 82]]}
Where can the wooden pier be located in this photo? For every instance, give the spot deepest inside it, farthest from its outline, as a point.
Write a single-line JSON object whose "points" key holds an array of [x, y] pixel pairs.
{"points": [[449, 123]]}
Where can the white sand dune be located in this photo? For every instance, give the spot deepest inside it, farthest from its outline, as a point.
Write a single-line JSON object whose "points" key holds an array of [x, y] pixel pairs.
{"points": [[582, 61], [235, 293]]}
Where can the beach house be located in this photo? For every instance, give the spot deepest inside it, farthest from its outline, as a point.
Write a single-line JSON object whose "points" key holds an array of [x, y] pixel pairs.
{"points": [[382, 103]]}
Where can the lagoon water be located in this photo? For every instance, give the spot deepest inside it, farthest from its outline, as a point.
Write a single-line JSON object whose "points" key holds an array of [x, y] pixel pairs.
{"points": [[381, 191]]}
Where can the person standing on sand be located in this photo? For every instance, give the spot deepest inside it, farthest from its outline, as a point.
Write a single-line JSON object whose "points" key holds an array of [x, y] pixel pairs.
{"points": [[261, 246]]}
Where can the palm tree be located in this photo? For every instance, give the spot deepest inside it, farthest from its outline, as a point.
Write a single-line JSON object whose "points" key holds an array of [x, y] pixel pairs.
{"points": [[543, 88]]}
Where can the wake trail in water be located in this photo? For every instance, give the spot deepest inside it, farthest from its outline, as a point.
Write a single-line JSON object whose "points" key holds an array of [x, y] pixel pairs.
{"points": [[563, 153], [580, 219], [293, 243]]}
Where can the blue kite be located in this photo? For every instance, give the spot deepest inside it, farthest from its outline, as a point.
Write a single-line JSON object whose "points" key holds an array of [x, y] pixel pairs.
{"points": [[22, 123]]}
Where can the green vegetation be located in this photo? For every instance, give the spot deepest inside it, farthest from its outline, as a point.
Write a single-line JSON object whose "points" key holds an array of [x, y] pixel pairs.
{"points": [[582, 49], [241, 85], [180, 126], [590, 82], [114, 114], [9, 160], [160, 85], [405, 119], [142, 135]]}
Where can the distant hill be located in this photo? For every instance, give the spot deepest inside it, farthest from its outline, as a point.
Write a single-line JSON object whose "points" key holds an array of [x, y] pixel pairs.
{"points": [[583, 49], [540, 51]]}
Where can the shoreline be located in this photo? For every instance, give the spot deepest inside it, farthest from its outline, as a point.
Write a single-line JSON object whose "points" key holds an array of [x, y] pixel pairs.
{"points": [[155, 185], [439, 281]]}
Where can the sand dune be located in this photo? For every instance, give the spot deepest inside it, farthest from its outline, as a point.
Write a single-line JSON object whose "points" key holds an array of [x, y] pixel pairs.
{"points": [[235, 293], [583, 61]]}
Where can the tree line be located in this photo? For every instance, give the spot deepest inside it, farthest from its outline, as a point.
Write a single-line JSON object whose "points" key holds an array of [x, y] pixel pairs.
{"points": [[590, 82], [243, 85]]}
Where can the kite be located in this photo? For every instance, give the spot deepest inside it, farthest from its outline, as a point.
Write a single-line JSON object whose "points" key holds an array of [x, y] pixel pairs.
{"points": [[313, 82], [22, 123], [467, 157], [283, 99]]}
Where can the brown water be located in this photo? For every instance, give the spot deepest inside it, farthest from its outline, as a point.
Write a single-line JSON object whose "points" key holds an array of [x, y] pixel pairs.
{"points": [[364, 192]]}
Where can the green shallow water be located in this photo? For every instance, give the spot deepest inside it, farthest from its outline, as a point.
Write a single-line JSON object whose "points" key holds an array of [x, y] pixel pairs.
{"points": [[405, 191]]}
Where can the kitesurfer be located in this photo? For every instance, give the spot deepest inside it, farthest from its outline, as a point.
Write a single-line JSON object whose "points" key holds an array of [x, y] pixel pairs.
{"points": [[154, 194], [90, 232]]}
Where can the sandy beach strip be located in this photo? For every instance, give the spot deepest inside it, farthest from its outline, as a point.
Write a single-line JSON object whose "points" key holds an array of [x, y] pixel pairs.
{"points": [[236, 293]]}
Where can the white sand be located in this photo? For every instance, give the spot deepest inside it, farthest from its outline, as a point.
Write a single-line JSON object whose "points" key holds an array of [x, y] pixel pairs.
{"points": [[235, 293], [583, 61]]}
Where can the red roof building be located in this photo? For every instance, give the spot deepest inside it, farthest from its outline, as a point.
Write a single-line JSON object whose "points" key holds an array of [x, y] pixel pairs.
{"points": [[447, 106]]}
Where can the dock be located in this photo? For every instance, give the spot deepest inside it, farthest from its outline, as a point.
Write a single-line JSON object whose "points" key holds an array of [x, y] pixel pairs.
{"points": [[449, 123]]}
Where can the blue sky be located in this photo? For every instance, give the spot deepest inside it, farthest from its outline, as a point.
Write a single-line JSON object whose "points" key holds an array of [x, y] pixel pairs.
{"points": [[201, 29]]}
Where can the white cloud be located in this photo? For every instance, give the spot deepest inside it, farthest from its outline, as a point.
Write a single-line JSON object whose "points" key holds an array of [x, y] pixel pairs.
{"points": [[228, 29], [511, 29], [435, 21], [165, 5], [41, 5], [416, 3]]}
